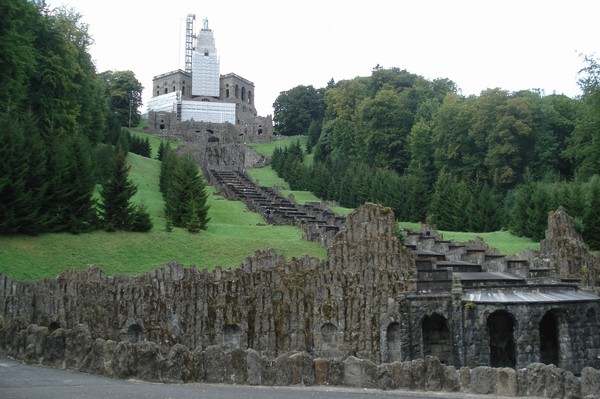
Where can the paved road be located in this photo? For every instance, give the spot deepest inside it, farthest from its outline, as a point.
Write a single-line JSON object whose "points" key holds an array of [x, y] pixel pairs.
{"points": [[19, 381]]}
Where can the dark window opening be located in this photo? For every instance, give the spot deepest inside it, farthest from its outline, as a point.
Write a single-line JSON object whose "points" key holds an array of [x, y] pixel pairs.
{"points": [[213, 139], [232, 337], [436, 338], [502, 342], [549, 348], [161, 127], [135, 333]]}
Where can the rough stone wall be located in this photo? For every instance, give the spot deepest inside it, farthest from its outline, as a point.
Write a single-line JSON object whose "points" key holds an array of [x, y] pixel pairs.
{"points": [[77, 349], [564, 250], [272, 305]]}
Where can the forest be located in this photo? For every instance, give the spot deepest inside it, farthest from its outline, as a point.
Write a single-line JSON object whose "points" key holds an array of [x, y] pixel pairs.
{"points": [[499, 160], [63, 164]]}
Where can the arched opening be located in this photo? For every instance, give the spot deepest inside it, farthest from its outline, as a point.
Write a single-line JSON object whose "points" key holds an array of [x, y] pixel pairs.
{"points": [[394, 343], [226, 93], [329, 339], [243, 94], [161, 126], [213, 139], [501, 326], [135, 333], [436, 338], [166, 90], [182, 90], [232, 337], [55, 325], [250, 97], [549, 348], [237, 91]]}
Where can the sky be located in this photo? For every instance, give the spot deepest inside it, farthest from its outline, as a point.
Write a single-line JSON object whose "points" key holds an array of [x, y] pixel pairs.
{"points": [[278, 45]]}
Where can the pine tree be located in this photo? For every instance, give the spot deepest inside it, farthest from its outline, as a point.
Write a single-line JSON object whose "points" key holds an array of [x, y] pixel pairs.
{"points": [[186, 197], [591, 233], [116, 207]]}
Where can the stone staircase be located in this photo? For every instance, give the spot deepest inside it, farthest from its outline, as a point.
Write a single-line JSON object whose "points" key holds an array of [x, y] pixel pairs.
{"points": [[443, 265], [318, 222]]}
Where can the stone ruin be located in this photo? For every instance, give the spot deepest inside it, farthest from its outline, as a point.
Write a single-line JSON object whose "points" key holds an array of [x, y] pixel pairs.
{"points": [[426, 314]]}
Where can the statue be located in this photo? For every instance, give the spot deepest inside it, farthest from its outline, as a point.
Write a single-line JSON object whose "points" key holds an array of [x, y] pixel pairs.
{"points": [[205, 22]]}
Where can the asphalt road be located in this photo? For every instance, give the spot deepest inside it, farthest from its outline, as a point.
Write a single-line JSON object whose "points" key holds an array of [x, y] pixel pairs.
{"points": [[19, 381]]}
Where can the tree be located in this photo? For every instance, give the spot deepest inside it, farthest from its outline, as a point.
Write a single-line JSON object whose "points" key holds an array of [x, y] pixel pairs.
{"points": [[584, 144], [185, 195], [117, 210], [125, 96], [295, 109], [591, 232]]}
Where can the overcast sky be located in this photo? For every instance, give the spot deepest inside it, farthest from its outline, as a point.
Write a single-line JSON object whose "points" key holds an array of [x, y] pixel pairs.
{"points": [[479, 44]]}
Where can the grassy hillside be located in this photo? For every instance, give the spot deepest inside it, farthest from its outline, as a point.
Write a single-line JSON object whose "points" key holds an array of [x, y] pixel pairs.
{"points": [[503, 240], [233, 234]]}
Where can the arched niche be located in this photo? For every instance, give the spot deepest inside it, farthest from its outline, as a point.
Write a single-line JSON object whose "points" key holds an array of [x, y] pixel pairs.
{"points": [[436, 338], [501, 326]]}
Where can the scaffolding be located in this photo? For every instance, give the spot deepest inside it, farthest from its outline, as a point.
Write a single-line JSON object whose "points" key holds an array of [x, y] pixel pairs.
{"points": [[189, 41]]}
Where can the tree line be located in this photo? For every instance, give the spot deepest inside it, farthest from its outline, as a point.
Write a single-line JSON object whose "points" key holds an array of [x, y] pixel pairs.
{"points": [[63, 162], [479, 163]]}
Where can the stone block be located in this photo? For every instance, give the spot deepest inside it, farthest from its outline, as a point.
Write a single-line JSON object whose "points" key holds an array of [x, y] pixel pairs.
{"points": [[321, 371], [141, 360], [554, 378], [178, 365], [99, 358], [590, 381], [385, 376], [254, 367], [483, 380], [336, 372], [451, 381], [35, 344], [464, 376], [198, 370], [214, 364], [54, 352], [535, 380], [507, 382], [418, 370], [235, 367], [434, 376], [302, 370], [572, 386], [360, 373]]}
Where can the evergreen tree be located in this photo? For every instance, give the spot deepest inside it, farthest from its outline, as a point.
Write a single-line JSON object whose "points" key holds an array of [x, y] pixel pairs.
{"points": [[116, 208], [186, 197], [591, 232]]}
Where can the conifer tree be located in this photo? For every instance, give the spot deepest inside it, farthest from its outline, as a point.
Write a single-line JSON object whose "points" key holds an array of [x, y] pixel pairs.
{"points": [[185, 195], [116, 207], [591, 232]]}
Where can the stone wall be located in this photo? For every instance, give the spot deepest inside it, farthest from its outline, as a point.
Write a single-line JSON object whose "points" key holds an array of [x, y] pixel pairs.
{"points": [[335, 308], [360, 303], [76, 349]]}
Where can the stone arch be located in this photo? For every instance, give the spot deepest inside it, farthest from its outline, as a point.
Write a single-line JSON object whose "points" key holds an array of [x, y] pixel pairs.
{"points": [[226, 93], [237, 91], [394, 342], [549, 338], [250, 97], [501, 326], [436, 337], [329, 345], [243, 93], [232, 337], [213, 139], [135, 333]]}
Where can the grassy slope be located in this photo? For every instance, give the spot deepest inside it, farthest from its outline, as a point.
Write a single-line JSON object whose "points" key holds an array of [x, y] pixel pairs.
{"points": [[504, 241], [233, 234]]}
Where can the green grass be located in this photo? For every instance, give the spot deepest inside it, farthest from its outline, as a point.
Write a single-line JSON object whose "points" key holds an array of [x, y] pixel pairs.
{"points": [[233, 234], [506, 243], [267, 149], [266, 177]]}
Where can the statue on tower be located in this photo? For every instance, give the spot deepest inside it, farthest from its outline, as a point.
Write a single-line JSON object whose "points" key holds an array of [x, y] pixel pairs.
{"points": [[205, 22]]}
